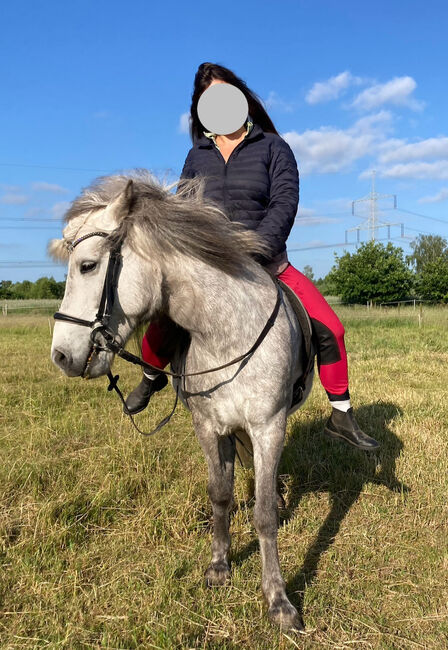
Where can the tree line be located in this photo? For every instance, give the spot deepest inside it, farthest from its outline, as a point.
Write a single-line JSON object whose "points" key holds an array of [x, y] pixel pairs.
{"points": [[41, 288], [375, 272], [382, 273]]}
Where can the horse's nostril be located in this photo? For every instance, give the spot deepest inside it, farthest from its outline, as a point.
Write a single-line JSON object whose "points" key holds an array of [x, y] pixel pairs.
{"points": [[61, 360]]}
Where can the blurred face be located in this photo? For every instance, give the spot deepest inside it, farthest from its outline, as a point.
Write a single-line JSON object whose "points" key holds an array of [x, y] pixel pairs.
{"points": [[222, 108]]}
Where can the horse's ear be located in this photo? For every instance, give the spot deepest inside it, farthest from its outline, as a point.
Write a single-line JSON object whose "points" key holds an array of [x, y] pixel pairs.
{"points": [[121, 205]]}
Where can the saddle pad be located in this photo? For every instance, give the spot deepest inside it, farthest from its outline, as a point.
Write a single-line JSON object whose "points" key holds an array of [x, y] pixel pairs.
{"points": [[304, 322]]}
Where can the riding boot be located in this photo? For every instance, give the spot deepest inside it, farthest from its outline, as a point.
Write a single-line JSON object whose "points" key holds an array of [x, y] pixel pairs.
{"points": [[342, 425], [138, 400]]}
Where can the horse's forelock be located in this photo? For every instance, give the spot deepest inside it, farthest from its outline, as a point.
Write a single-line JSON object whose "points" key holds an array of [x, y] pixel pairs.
{"points": [[57, 250]]}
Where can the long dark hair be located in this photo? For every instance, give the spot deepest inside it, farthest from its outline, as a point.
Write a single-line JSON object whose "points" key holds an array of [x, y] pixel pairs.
{"points": [[204, 76]]}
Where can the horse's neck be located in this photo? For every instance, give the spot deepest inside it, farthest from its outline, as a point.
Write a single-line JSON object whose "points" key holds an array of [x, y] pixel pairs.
{"points": [[215, 307]]}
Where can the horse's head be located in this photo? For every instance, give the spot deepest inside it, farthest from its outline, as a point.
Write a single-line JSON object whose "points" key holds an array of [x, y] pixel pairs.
{"points": [[94, 231]]}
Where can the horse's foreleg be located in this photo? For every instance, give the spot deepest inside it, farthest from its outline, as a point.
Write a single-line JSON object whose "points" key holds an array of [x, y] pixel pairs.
{"points": [[220, 455], [267, 444]]}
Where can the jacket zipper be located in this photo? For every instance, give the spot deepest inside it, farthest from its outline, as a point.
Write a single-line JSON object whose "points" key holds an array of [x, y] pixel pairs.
{"points": [[224, 185]]}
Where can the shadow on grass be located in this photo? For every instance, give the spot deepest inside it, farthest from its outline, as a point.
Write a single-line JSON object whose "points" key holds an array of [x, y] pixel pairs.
{"points": [[316, 464]]}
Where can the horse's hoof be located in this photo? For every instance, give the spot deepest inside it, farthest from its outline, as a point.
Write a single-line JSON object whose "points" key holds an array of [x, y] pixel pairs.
{"points": [[217, 574], [286, 616]]}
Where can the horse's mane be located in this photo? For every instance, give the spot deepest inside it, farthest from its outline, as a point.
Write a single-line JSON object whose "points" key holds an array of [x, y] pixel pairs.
{"points": [[183, 221]]}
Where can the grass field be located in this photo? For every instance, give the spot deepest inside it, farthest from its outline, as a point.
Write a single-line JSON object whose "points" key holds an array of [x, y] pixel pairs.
{"points": [[105, 535]]}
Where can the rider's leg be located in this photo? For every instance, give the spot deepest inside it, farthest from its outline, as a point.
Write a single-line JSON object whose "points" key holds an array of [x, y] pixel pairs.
{"points": [[332, 359], [153, 352], [152, 347]]}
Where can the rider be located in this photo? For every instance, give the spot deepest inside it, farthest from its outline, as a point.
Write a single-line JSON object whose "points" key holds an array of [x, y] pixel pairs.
{"points": [[259, 187]]}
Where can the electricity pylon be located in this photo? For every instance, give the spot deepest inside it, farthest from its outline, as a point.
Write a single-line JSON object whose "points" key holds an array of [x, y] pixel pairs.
{"points": [[372, 223]]}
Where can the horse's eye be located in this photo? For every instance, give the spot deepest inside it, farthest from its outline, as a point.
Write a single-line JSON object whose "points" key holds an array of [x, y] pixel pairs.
{"points": [[87, 266]]}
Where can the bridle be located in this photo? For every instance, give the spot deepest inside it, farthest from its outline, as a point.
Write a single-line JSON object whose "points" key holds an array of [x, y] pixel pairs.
{"points": [[100, 327], [100, 324]]}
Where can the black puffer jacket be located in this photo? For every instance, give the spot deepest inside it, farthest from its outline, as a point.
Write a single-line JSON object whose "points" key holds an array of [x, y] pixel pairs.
{"points": [[258, 186]]}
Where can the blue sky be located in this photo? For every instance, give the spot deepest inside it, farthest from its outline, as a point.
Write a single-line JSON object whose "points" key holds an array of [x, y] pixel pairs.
{"points": [[93, 87]]}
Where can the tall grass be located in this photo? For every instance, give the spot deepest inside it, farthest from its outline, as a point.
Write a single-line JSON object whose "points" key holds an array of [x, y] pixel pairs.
{"points": [[105, 535]]}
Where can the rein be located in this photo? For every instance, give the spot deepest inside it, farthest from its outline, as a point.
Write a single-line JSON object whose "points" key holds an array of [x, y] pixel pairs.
{"points": [[100, 326]]}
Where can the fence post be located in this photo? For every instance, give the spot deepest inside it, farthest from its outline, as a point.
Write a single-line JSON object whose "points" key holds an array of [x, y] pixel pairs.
{"points": [[420, 315]]}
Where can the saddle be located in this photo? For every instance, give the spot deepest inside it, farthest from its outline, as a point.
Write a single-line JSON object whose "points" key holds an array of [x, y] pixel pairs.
{"points": [[307, 360]]}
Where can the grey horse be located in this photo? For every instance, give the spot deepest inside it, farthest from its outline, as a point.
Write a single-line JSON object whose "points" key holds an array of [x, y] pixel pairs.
{"points": [[184, 259]]}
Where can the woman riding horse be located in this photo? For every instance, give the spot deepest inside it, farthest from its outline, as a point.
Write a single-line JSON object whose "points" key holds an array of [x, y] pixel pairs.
{"points": [[252, 173]]}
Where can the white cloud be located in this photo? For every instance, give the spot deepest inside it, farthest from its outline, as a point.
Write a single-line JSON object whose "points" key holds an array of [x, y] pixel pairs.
{"points": [[42, 186], [417, 170], [10, 188], [425, 149], [397, 91], [308, 217], [184, 123], [332, 88], [59, 209], [14, 199], [314, 243], [331, 150], [274, 101], [436, 198]]}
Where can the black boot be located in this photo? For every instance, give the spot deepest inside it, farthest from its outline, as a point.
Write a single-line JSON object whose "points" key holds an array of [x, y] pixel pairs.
{"points": [[138, 400], [342, 425]]}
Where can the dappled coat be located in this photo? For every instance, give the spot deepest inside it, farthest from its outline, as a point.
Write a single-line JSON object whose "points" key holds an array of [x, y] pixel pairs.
{"points": [[258, 186]]}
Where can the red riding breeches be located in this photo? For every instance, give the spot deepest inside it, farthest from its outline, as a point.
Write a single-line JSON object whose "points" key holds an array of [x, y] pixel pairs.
{"points": [[329, 333]]}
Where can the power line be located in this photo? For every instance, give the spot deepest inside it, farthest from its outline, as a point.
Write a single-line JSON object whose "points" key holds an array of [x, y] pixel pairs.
{"points": [[19, 263], [31, 219], [28, 228], [350, 243], [68, 169], [424, 216], [422, 232]]}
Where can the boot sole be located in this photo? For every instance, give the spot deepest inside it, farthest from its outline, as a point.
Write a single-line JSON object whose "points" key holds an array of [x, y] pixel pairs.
{"points": [[333, 434]]}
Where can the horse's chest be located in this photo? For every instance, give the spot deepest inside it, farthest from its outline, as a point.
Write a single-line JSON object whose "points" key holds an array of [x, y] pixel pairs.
{"points": [[226, 407]]}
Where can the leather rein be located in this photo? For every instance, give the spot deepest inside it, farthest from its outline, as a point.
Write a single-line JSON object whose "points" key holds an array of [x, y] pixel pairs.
{"points": [[100, 328]]}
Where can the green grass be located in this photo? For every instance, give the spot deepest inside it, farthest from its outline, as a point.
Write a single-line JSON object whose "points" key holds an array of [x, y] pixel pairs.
{"points": [[105, 535]]}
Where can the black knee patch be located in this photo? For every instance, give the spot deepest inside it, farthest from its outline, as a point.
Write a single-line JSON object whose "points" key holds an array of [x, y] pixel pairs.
{"points": [[175, 338], [326, 343]]}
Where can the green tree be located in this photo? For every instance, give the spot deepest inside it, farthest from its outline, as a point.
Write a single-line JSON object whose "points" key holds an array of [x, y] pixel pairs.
{"points": [[42, 288], [45, 288], [22, 290], [375, 272], [6, 289], [308, 271], [427, 249], [432, 281], [326, 285]]}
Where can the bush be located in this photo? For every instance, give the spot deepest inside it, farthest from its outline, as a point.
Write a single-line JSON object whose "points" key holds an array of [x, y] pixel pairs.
{"points": [[375, 272], [432, 281]]}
